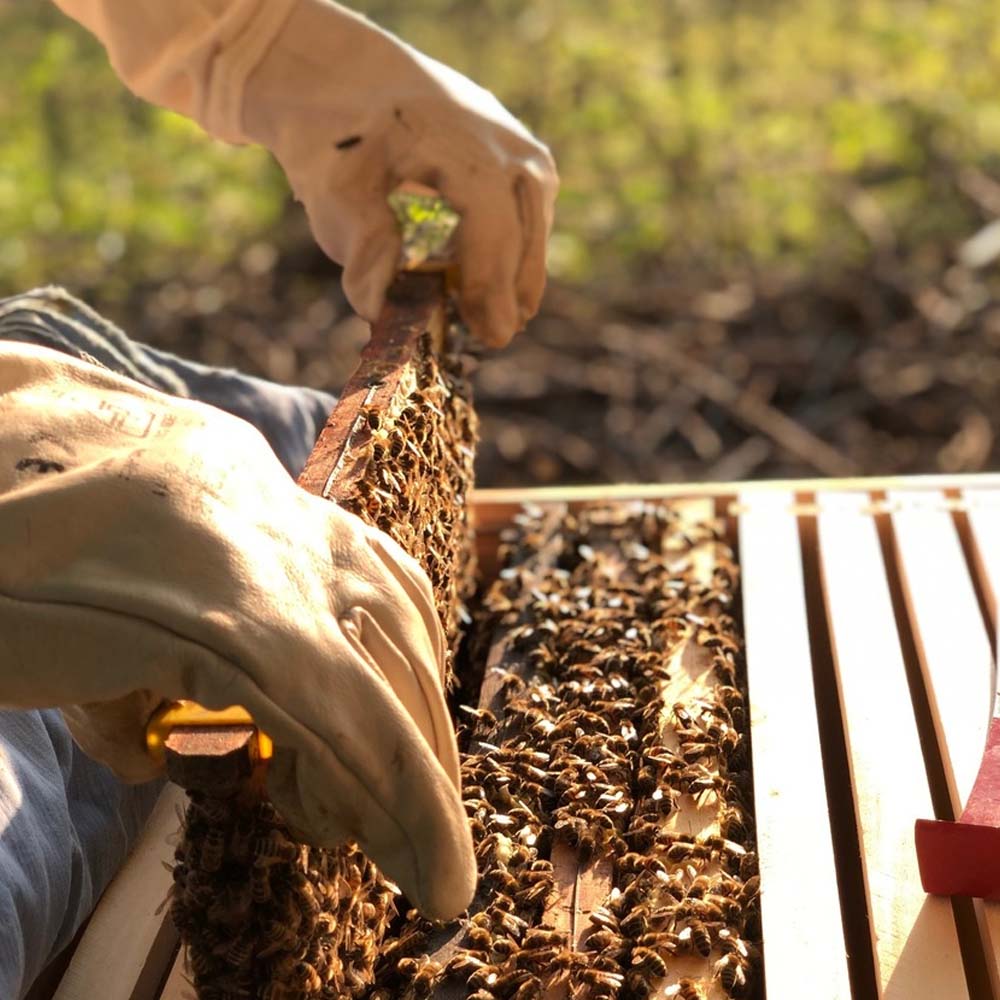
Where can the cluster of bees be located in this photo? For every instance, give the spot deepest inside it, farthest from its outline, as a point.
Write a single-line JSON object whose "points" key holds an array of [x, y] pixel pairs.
{"points": [[263, 917], [581, 747], [418, 453]]}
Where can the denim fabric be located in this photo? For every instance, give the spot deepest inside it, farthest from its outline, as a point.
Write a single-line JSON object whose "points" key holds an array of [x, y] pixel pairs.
{"points": [[66, 822]]}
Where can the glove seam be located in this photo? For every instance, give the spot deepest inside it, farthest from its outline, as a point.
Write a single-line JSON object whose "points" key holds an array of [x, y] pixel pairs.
{"points": [[223, 111]]}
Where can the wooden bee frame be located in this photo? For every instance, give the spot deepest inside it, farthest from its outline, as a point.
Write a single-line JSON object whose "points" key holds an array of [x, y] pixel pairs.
{"points": [[869, 609]]}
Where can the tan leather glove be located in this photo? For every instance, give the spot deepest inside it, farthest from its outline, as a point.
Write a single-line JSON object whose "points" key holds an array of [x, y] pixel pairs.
{"points": [[350, 111], [155, 548]]}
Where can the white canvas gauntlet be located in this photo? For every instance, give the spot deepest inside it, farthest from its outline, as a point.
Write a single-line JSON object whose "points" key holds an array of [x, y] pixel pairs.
{"points": [[350, 111], [154, 548]]}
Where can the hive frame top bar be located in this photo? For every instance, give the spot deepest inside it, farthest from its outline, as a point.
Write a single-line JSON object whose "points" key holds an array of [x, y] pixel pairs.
{"points": [[484, 498]]}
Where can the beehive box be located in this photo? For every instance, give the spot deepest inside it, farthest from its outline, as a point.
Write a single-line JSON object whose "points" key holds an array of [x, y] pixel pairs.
{"points": [[867, 611], [607, 734]]}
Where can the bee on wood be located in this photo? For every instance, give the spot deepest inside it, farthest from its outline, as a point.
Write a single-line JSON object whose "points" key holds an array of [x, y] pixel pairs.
{"points": [[731, 971], [648, 963], [699, 935], [602, 917], [602, 979], [685, 989], [635, 923]]}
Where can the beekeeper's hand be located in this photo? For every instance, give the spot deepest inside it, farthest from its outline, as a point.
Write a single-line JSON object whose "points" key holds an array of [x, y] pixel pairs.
{"points": [[155, 548], [350, 111]]}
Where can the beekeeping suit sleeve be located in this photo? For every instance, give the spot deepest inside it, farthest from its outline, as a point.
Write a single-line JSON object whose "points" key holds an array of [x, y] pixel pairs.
{"points": [[350, 111], [155, 548]]}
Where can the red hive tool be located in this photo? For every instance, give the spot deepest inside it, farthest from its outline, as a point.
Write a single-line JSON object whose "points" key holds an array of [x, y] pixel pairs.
{"points": [[962, 858]]}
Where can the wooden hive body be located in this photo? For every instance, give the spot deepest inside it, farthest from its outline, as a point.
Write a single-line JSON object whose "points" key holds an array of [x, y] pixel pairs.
{"points": [[868, 608]]}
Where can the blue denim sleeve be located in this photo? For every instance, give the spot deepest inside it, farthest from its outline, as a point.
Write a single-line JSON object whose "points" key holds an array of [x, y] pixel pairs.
{"points": [[66, 822]]}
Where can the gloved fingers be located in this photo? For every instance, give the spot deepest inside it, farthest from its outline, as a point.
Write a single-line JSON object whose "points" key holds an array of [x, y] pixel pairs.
{"points": [[489, 242], [490, 249], [372, 259], [356, 228], [414, 581], [350, 762], [114, 733], [535, 191], [416, 685]]}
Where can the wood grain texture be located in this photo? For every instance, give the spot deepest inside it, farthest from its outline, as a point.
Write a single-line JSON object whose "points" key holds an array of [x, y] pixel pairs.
{"points": [[914, 939], [983, 508], [178, 985], [493, 508], [803, 930], [414, 306], [954, 651], [129, 943]]}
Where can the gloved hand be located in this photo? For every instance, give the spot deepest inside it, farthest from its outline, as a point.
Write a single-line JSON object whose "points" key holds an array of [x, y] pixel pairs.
{"points": [[350, 112], [155, 548]]}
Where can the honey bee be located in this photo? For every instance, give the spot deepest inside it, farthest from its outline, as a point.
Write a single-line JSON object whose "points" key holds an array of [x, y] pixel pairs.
{"points": [[731, 823], [685, 989], [602, 978], [273, 849], [410, 940], [464, 963], [213, 849], [202, 963], [602, 917], [661, 941], [479, 938], [731, 971], [273, 936], [750, 890], [635, 923], [306, 977], [649, 963], [240, 951], [541, 937], [422, 973], [699, 936], [605, 940]]}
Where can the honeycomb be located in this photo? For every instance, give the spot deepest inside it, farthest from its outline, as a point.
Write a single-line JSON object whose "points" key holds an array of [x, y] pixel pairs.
{"points": [[264, 917]]}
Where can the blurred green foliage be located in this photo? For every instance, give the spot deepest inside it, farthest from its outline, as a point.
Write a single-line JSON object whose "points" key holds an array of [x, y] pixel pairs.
{"points": [[702, 134], [98, 187]]}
